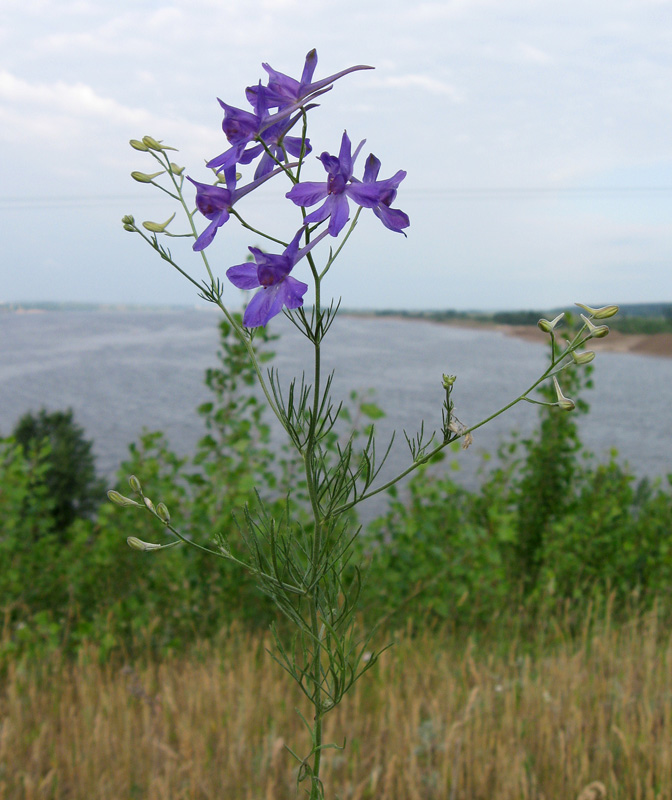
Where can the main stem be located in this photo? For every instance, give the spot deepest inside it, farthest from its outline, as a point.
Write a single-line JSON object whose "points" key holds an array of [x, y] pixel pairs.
{"points": [[309, 460]]}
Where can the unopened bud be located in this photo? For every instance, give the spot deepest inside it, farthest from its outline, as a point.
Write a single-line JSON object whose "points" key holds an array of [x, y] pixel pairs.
{"points": [[142, 177], [162, 513], [547, 326], [221, 177], [448, 381], [137, 145], [137, 544], [565, 403], [134, 483], [175, 169], [128, 220], [599, 313], [120, 500], [157, 227], [152, 144], [149, 504], [583, 358], [130, 228], [596, 331]]}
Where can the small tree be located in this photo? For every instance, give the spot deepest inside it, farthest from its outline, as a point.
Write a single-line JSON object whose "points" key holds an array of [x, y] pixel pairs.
{"points": [[70, 477]]}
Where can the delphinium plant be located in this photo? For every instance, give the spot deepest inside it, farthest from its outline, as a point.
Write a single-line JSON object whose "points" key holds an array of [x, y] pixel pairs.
{"points": [[305, 568]]}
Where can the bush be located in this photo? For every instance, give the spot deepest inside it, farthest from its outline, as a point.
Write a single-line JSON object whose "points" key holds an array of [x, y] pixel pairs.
{"points": [[70, 475]]}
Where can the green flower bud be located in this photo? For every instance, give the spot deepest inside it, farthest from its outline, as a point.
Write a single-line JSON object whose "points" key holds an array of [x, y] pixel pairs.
{"points": [[152, 144], [120, 500], [565, 403], [137, 544], [129, 228], [596, 331], [448, 381], [162, 513], [149, 504], [128, 220], [583, 358], [175, 169], [599, 313], [134, 483], [142, 177], [157, 227], [547, 326], [222, 179], [136, 145]]}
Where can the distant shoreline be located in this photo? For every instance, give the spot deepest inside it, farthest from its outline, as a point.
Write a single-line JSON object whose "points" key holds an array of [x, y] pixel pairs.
{"points": [[648, 344], [644, 344]]}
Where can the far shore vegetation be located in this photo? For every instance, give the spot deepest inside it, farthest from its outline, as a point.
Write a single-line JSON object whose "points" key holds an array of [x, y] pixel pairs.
{"points": [[633, 318]]}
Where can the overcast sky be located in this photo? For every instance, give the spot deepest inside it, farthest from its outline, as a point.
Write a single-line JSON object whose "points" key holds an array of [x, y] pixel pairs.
{"points": [[537, 138]]}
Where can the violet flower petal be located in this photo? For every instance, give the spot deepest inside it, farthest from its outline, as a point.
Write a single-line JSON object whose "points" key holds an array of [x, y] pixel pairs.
{"points": [[244, 276], [340, 211], [307, 193]]}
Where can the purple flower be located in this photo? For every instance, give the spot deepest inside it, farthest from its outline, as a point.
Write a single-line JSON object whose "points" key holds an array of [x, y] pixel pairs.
{"points": [[283, 90], [271, 273], [244, 127], [340, 186], [215, 203], [392, 218]]}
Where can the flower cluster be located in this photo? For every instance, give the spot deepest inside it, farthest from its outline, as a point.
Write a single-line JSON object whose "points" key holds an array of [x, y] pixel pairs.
{"points": [[263, 133]]}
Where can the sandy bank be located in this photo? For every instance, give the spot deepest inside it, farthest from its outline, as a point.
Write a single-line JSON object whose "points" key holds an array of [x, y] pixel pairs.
{"points": [[654, 344]]}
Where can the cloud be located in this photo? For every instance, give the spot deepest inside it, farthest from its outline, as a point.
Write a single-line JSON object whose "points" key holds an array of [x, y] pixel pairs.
{"points": [[424, 82], [535, 55], [74, 118]]}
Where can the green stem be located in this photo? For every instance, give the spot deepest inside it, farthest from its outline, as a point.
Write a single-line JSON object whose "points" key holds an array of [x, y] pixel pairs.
{"points": [[316, 554], [554, 361]]}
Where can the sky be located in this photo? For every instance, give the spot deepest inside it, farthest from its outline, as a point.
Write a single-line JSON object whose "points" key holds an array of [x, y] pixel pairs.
{"points": [[536, 137]]}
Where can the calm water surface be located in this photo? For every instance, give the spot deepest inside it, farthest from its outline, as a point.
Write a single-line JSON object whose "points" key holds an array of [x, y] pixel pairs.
{"points": [[125, 371]]}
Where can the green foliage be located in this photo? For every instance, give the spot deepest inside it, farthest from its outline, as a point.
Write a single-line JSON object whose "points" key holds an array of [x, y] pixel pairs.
{"points": [[549, 468], [70, 474], [546, 527]]}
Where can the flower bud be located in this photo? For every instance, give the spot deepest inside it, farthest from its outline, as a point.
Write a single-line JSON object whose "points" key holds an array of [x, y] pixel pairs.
{"points": [[157, 227], [130, 228], [152, 144], [565, 403], [149, 504], [599, 313], [583, 358], [221, 178], [162, 513], [136, 145], [596, 331], [547, 326], [175, 169], [142, 177], [134, 483], [128, 220], [120, 500], [448, 381], [137, 544]]}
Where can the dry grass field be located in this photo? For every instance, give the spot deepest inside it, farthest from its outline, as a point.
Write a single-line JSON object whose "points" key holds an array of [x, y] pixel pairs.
{"points": [[434, 719]]}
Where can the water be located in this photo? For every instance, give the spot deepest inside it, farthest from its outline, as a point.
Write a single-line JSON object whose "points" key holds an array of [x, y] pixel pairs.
{"points": [[125, 371]]}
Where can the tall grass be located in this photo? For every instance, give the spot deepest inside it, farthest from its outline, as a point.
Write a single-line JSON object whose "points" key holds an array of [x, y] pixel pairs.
{"points": [[436, 718]]}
